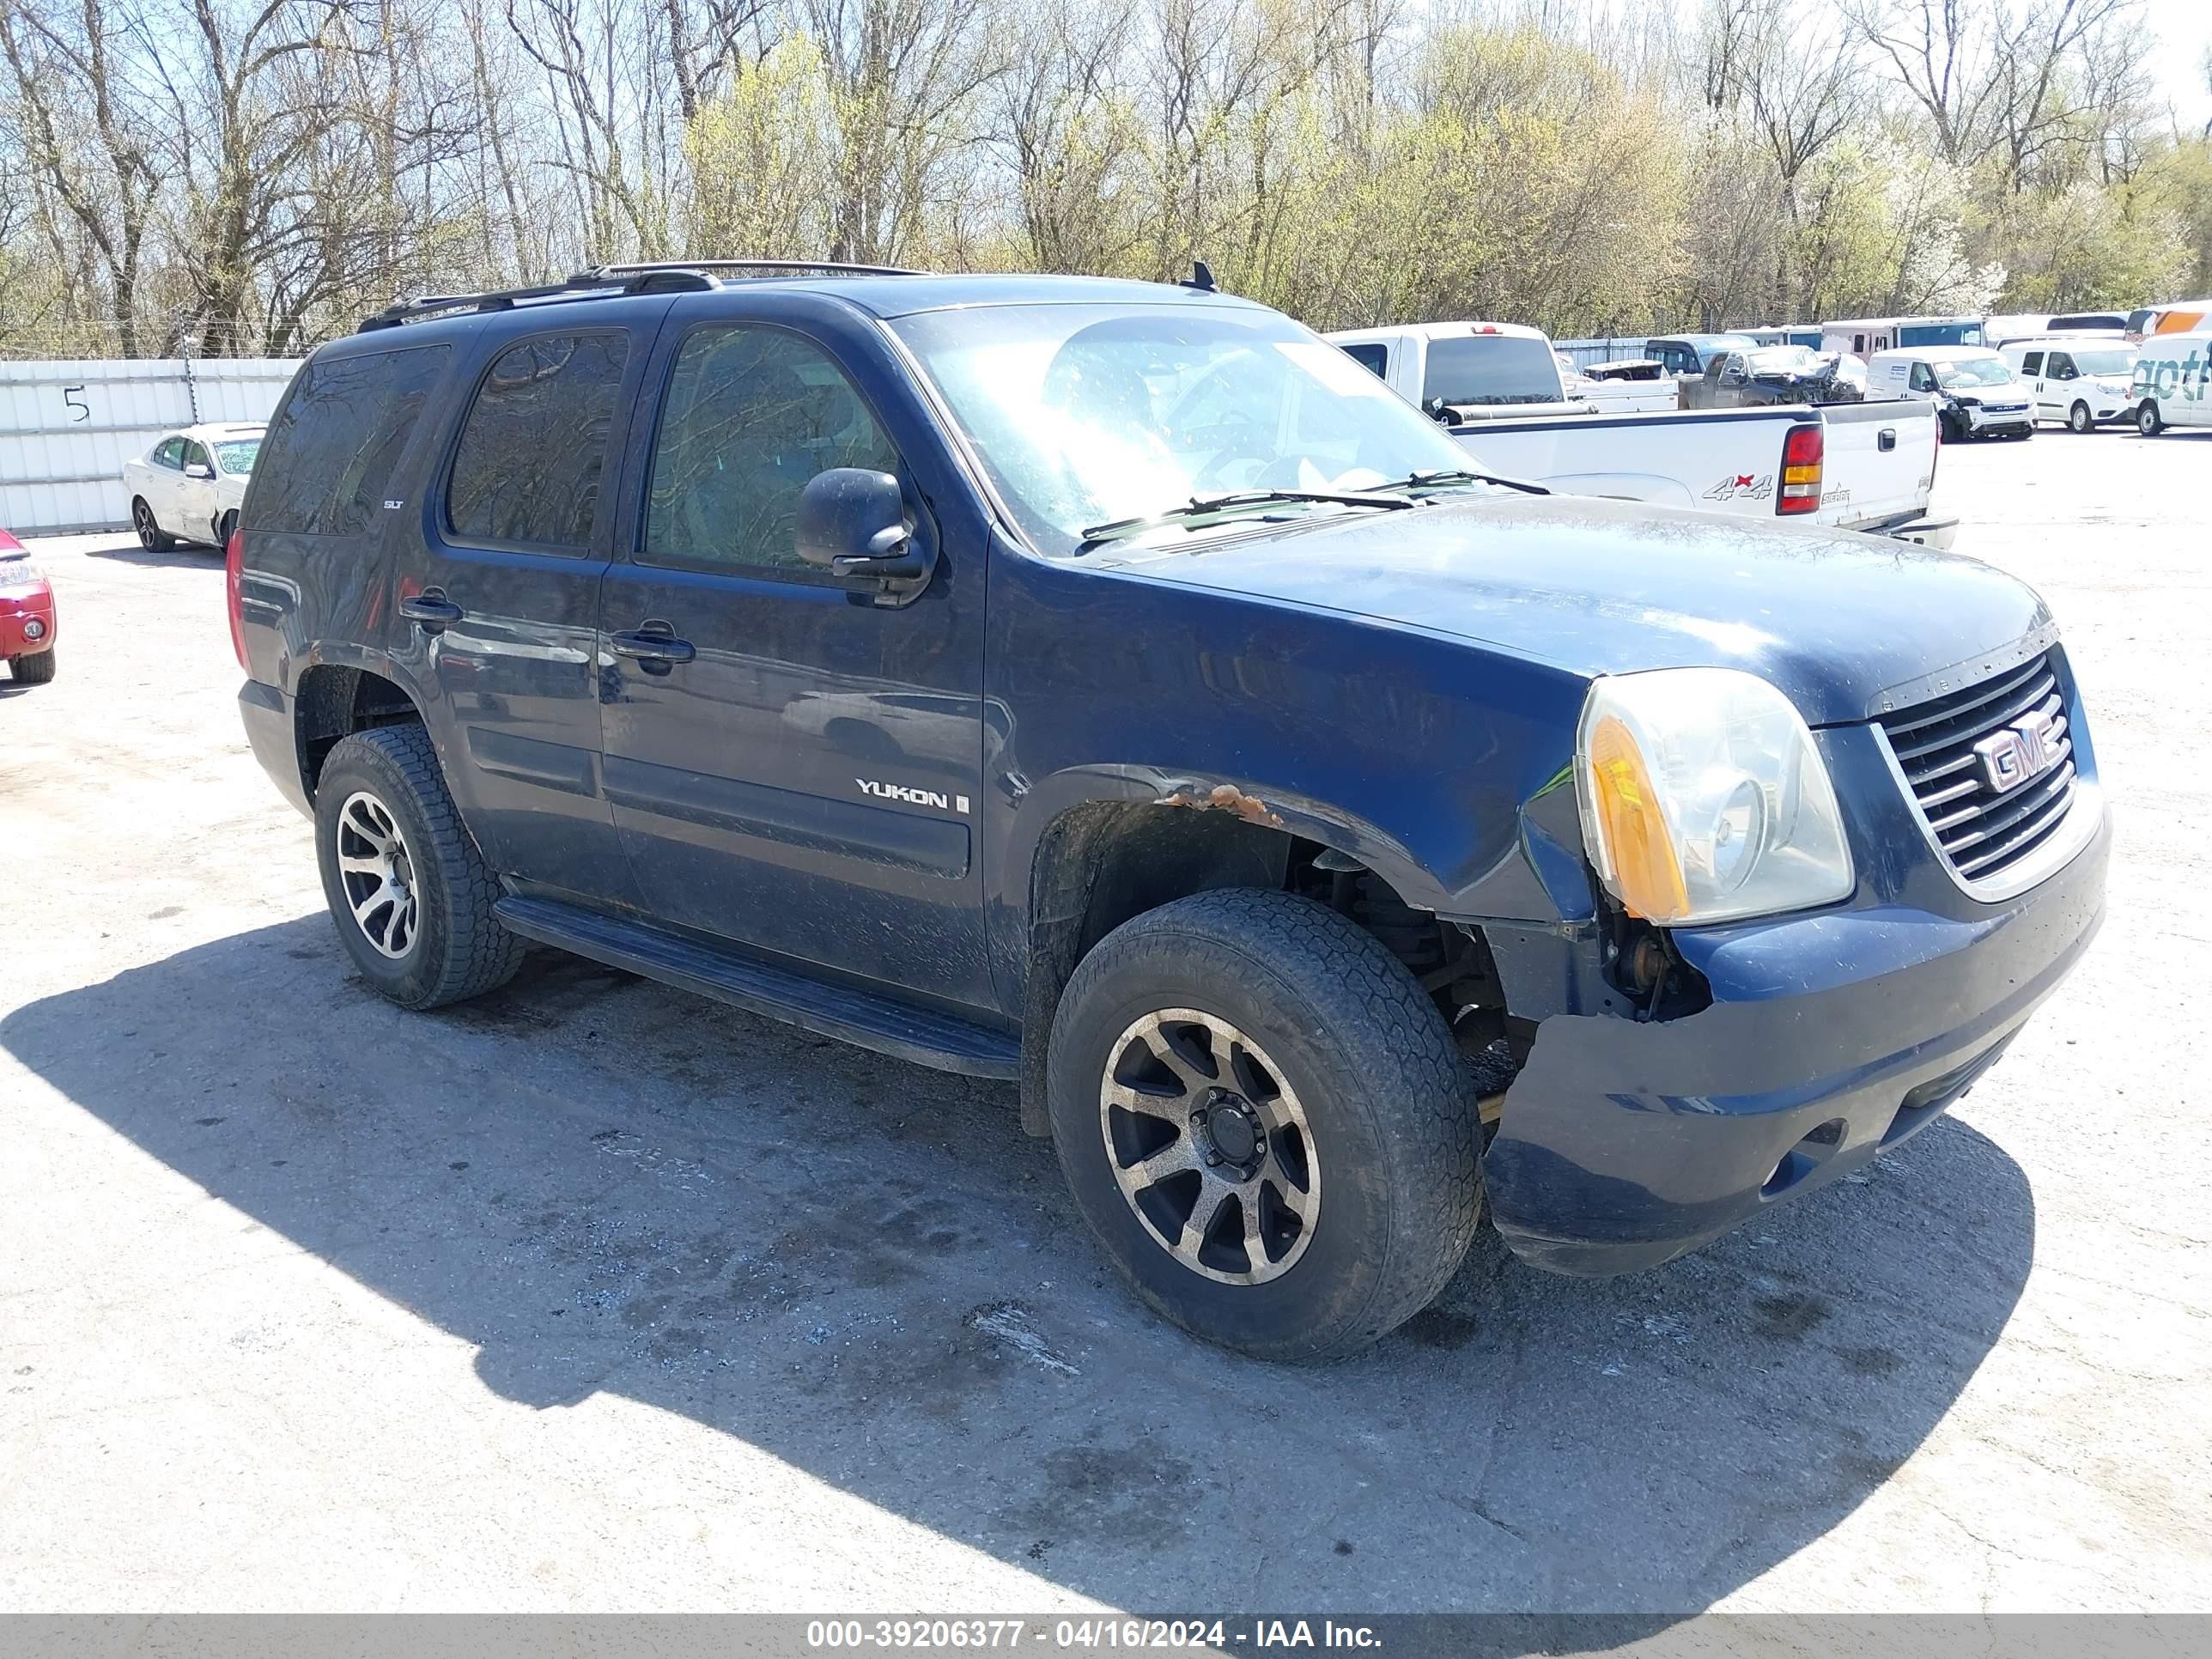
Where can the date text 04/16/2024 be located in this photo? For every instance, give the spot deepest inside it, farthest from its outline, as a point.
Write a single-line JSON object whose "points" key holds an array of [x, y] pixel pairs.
{"points": [[1084, 1634]]}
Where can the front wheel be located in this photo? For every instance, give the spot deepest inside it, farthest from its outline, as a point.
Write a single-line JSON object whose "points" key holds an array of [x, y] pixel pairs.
{"points": [[411, 895], [1265, 1123], [2078, 418], [223, 527], [2149, 422], [151, 536], [37, 669], [1953, 431]]}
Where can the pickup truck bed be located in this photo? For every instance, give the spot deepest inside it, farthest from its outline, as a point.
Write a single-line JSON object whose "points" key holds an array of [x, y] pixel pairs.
{"points": [[1877, 462]]}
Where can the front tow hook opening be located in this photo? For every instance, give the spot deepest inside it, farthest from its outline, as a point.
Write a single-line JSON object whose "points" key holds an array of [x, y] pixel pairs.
{"points": [[1813, 1150]]}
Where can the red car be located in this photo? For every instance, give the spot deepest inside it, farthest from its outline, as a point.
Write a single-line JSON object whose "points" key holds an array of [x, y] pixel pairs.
{"points": [[27, 615]]}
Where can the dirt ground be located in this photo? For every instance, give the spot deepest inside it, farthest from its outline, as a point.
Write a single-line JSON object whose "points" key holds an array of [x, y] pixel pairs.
{"points": [[593, 1295]]}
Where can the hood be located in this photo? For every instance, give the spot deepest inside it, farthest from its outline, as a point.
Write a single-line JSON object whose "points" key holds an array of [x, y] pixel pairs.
{"points": [[1846, 625]]}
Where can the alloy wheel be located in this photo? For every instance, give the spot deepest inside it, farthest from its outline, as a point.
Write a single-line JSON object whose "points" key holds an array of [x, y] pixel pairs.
{"points": [[142, 520], [1209, 1147], [378, 874]]}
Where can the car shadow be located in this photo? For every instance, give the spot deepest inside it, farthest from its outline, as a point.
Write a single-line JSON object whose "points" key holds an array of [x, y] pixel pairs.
{"points": [[866, 1270], [130, 552]]}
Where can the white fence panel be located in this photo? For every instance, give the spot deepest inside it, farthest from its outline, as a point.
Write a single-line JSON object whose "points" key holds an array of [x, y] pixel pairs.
{"points": [[1583, 353], [66, 427]]}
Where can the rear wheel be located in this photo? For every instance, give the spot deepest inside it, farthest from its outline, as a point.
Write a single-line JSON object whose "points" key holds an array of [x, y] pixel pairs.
{"points": [[1265, 1123], [37, 669], [223, 527], [151, 536], [2078, 418], [2149, 420], [411, 895]]}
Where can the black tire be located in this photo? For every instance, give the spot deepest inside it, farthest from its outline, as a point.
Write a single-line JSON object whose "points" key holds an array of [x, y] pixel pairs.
{"points": [[223, 527], [2079, 419], [1387, 1099], [36, 668], [456, 948], [2149, 422], [1953, 432], [151, 536]]}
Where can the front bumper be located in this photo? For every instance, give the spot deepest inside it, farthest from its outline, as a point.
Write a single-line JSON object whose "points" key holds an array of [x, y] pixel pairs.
{"points": [[24, 612], [1830, 1036], [1990, 423]]}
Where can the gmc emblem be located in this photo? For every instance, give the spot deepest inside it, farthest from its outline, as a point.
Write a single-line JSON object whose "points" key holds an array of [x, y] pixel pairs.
{"points": [[2012, 754]]}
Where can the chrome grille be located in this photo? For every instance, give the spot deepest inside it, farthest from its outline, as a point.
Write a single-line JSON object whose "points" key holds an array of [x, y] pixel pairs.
{"points": [[1983, 831]]}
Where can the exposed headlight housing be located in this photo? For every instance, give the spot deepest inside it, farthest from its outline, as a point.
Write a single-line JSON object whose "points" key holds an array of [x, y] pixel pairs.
{"points": [[1704, 799]]}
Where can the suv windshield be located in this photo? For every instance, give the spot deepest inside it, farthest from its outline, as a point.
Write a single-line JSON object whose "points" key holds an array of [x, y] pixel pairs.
{"points": [[1490, 368], [1974, 371], [1084, 414], [237, 456]]}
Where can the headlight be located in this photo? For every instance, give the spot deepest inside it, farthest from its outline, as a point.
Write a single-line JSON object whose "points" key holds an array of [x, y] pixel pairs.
{"points": [[1704, 799]]}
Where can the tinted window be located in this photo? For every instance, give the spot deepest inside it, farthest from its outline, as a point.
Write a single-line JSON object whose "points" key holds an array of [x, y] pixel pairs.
{"points": [[171, 453], [2062, 366], [2032, 363], [752, 415], [535, 442], [1374, 357], [328, 457], [1490, 368], [1928, 334]]}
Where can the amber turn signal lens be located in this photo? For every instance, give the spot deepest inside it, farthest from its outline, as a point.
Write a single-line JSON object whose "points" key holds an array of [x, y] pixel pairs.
{"points": [[1647, 877]]}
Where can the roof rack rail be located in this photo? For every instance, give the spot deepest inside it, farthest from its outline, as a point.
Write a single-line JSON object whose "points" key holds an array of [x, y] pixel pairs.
{"points": [[608, 282], [776, 267]]}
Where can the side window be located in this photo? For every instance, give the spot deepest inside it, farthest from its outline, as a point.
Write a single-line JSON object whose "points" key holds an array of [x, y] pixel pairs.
{"points": [[2031, 363], [170, 454], [752, 414], [1858, 345], [1372, 357], [534, 443], [2062, 366], [1923, 378], [327, 463], [197, 455]]}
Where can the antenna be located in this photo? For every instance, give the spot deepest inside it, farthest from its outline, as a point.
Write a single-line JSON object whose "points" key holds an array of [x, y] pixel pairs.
{"points": [[1201, 277]]}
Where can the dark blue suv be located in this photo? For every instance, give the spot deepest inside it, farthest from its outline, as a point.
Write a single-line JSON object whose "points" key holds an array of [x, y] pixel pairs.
{"points": [[1115, 688]]}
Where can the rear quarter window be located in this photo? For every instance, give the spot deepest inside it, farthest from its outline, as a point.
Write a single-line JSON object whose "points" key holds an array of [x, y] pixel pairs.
{"points": [[327, 460]]}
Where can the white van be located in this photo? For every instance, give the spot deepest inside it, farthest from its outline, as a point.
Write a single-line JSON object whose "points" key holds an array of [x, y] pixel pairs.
{"points": [[1864, 336], [2172, 382], [2083, 379], [1975, 392]]}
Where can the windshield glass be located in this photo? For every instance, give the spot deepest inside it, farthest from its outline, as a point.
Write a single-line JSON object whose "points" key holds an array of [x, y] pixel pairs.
{"points": [[2109, 360], [1928, 334], [1490, 368], [1972, 372], [1083, 415], [237, 455]]}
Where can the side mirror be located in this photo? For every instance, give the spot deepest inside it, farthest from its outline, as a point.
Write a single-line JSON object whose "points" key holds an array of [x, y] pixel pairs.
{"points": [[853, 523], [198, 470]]}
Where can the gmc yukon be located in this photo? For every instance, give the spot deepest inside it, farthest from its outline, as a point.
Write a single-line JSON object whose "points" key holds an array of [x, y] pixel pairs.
{"points": [[1117, 690]]}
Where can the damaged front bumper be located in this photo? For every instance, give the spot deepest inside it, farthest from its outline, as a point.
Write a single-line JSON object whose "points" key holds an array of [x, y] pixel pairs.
{"points": [[1830, 1036]]}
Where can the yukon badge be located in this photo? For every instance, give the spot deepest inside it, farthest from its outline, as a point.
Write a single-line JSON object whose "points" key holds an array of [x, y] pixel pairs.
{"points": [[942, 802]]}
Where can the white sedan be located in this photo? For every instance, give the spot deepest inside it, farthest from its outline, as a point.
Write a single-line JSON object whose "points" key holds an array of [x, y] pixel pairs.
{"points": [[189, 486]]}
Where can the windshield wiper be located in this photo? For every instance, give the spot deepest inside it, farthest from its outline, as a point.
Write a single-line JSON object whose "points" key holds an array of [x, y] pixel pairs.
{"points": [[1442, 476], [1200, 506]]}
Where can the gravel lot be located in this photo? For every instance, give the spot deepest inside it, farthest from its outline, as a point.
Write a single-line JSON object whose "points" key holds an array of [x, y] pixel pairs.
{"points": [[591, 1295]]}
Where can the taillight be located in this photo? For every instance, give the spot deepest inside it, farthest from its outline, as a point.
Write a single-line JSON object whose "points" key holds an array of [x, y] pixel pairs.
{"points": [[1801, 455], [234, 564]]}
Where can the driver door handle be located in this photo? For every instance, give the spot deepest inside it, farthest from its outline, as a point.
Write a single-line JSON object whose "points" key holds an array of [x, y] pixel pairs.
{"points": [[650, 645]]}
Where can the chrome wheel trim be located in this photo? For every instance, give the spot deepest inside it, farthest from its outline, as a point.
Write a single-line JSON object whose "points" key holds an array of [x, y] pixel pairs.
{"points": [[376, 872], [1166, 1077]]}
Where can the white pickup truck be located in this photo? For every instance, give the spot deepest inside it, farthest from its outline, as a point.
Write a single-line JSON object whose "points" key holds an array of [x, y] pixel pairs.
{"points": [[1864, 466]]}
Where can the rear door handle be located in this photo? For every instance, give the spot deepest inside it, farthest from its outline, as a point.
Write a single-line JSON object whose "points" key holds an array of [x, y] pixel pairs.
{"points": [[654, 646], [432, 608]]}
